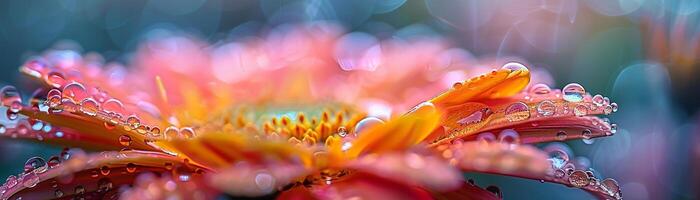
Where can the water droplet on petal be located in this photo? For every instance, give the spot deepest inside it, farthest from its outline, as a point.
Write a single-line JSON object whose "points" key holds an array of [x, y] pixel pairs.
{"points": [[124, 140], [11, 181], [54, 162], [495, 190], [55, 79], [517, 111], [613, 107], [130, 167], [187, 132], [265, 182], [172, 132], [104, 185], [598, 100], [487, 136], [611, 186], [579, 179], [561, 135], [580, 110], [30, 179], [75, 92], [557, 157], [540, 89], [613, 128], [514, 66], [89, 106], [104, 170], [113, 106], [509, 136], [79, 190], [342, 131], [58, 193], [573, 92], [35, 164], [546, 108], [366, 123], [586, 134]]}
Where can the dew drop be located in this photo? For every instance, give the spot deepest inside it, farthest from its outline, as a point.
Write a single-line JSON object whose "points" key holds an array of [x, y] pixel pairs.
{"points": [[586, 134], [517, 112], [133, 122], [613, 107], [113, 106], [155, 132], [130, 167], [172, 132], [168, 166], [3, 130], [514, 66], [573, 92], [89, 106], [104, 185], [11, 181], [55, 79], [58, 193], [457, 85], [561, 135], [366, 123], [579, 179], [30, 179], [187, 132], [509, 136], [580, 110], [11, 98], [610, 186], [342, 131], [495, 190], [487, 136], [540, 89], [607, 109], [613, 128], [79, 190], [265, 182], [104, 170], [557, 157], [75, 92], [598, 100], [546, 108], [36, 165], [125, 140], [54, 162]]}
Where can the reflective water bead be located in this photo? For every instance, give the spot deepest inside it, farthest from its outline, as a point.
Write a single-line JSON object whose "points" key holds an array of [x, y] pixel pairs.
{"points": [[517, 112], [561, 135], [557, 157], [53, 101], [130, 167], [75, 92], [30, 179], [104, 170], [155, 131], [58, 193], [187, 132], [366, 123], [342, 131], [546, 108], [11, 181], [53, 162], [113, 106], [133, 121], [104, 185], [597, 100], [613, 128], [171, 132], [610, 186], [124, 140], [35, 164], [55, 79], [586, 134], [11, 98], [580, 110], [613, 107], [579, 179], [509, 136], [607, 109], [540, 89], [514, 66], [487, 136], [89, 106], [265, 182], [573, 92]]}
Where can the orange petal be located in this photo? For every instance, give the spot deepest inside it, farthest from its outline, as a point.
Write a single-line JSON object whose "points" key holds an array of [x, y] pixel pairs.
{"points": [[96, 174], [399, 133], [254, 180], [497, 84], [368, 186]]}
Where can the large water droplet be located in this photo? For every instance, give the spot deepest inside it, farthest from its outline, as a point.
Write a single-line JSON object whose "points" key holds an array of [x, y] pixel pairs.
{"points": [[540, 89], [579, 179], [113, 106], [54, 162], [11, 98], [187, 132], [546, 108], [172, 132], [55, 79], [573, 92], [366, 123], [517, 111], [75, 92], [35, 164], [514, 66], [610, 186]]}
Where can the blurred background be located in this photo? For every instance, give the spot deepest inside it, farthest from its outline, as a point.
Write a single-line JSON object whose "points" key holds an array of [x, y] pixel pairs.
{"points": [[644, 54]]}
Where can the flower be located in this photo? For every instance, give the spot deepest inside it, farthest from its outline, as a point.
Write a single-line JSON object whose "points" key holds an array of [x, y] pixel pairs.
{"points": [[277, 117]]}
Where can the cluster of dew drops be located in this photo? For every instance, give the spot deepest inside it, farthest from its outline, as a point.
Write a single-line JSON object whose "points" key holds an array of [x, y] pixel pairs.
{"points": [[574, 96]]}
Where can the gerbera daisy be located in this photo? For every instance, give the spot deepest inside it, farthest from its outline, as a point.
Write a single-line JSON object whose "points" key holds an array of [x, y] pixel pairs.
{"points": [[299, 114]]}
